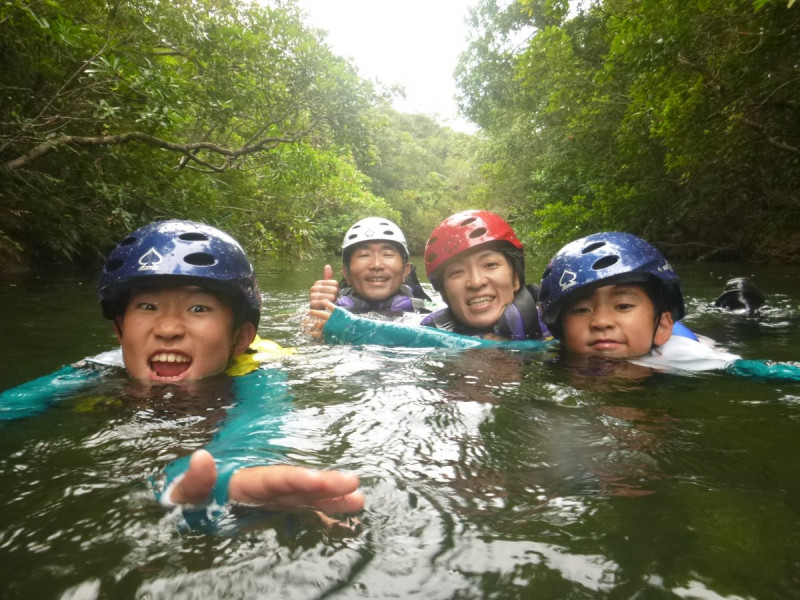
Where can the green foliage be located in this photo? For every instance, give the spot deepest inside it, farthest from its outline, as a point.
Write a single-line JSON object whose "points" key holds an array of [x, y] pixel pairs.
{"points": [[676, 121], [422, 170], [243, 118]]}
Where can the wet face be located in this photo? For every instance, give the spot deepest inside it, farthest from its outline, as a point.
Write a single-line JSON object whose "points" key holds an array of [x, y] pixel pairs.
{"points": [[177, 333], [614, 320], [478, 285], [376, 270]]}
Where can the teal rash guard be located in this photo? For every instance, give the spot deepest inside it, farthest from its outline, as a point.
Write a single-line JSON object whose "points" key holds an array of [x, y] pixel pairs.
{"points": [[345, 328], [246, 436]]}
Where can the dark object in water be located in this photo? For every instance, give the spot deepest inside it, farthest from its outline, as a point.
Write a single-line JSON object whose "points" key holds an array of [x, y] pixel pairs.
{"points": [[740, 294]]}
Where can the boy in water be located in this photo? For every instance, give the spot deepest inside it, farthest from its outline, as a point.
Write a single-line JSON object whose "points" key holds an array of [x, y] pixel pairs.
{"points": [[614, 295], [184, 302]]}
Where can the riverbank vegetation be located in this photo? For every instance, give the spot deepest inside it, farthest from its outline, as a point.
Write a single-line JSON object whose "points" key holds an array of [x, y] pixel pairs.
{"points": [[677, 122]]}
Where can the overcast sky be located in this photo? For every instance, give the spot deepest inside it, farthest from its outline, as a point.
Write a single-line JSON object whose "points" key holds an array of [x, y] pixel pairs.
{"points": [[413, 43]]}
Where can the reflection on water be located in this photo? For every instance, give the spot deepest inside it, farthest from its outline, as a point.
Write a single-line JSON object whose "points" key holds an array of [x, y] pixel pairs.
{"points": [[488, 474]]}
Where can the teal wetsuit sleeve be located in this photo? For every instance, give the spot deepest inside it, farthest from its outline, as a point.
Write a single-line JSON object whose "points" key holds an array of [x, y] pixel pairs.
{"points": [[35, 396], [765, 370], [249, 432], [346, 328]]}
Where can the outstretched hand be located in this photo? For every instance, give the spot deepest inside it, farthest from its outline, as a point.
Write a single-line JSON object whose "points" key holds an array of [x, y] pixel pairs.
{"points": [[278, 487]]}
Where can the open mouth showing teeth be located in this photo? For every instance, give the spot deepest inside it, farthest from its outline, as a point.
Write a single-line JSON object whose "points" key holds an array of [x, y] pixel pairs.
{"points": [[169, 364], [479, 301]]}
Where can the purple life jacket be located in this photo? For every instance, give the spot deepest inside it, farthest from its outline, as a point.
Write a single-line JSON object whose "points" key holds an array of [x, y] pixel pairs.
{"points": [[520, 319], [403, 301]]}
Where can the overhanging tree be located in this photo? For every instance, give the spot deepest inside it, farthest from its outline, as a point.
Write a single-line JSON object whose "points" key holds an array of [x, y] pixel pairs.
{"points": [[114, 114]]}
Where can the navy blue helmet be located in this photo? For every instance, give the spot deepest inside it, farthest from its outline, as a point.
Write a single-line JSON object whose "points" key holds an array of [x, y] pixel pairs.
{"points": [[606, 258], [181, 252]]}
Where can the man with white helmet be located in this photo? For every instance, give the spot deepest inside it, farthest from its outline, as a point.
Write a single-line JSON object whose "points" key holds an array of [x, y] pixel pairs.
{"points": [[376, 274]]}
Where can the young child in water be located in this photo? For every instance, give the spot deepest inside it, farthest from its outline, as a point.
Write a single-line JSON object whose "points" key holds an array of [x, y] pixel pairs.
{"points": [[184, 302], [614, 295]]}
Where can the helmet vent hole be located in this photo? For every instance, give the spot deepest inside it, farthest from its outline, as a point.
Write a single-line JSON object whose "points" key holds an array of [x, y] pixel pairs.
{"points": [[431, 257], [388, 232], [432, 241], [128, 241], [113, 265], [467, 221], [200, 259], [547, 272], [605, 262], [193, 236], [476, 233], [592, 247]]}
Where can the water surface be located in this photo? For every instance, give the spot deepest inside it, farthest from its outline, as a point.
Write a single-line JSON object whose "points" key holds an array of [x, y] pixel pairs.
{"points": [[488, 474]]}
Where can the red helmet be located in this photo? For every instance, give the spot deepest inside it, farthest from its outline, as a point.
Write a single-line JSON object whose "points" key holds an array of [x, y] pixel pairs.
{"points": [[467, 230]]}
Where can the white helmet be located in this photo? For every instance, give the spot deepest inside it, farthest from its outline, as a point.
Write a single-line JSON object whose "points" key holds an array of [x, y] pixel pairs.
{"points": [[373, 229]]}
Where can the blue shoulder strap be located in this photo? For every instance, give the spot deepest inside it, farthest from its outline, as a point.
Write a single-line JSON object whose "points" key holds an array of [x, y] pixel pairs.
{"points": [[678, 328]]}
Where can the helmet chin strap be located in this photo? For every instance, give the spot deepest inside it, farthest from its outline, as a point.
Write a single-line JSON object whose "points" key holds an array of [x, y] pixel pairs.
{"points": [[659, 308]]}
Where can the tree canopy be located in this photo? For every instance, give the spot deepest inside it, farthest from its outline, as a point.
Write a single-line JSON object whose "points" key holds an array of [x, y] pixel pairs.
{"points": [[115, 114], [676, 121]]}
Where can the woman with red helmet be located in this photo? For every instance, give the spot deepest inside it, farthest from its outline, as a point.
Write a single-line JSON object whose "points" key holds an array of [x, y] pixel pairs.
{"points": [[476, 262]]}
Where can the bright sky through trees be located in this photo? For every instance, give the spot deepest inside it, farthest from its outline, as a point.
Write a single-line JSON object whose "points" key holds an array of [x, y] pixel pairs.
{"points": [[414, 43]]}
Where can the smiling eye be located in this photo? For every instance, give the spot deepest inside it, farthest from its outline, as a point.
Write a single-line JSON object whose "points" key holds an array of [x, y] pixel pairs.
{"points": [[145, 306], [199, 308]]}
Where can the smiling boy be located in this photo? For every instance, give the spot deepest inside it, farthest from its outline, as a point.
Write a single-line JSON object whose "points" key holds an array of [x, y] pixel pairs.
{"points": [[178, 333], [184, 302], [614, 295], [611, 294], [615, 320]]}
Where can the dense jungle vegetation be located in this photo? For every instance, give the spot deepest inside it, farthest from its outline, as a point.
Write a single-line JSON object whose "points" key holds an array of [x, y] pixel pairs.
{"points": [[676, 121]]}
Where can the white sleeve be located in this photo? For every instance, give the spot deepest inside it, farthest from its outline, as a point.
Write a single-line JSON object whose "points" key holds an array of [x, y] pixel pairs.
{"points": [[684, 354]]}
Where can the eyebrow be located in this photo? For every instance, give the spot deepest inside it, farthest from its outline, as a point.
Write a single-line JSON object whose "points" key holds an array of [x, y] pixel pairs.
{"points": [[483, 254], [626, 290]]}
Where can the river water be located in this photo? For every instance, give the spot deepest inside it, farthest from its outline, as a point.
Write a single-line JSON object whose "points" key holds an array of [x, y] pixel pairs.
{"points": [[488, 473]]}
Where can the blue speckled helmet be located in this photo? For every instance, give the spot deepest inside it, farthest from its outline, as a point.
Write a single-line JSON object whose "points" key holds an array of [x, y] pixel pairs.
{"points": [[182, 252], [607, 258]]}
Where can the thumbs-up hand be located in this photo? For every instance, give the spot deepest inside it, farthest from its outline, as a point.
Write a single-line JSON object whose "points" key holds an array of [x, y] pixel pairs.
{"points": [[324, 290], [323, 294]]}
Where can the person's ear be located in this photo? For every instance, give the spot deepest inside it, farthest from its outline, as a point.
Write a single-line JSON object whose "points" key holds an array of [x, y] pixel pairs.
{"points": [[406, 270], [247, 333], [516, 282], [345, 274], [663, 329], [118, 328]]}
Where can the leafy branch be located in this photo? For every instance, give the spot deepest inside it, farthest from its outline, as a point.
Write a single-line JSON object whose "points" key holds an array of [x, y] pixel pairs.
{"points": [[189, 151]]}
